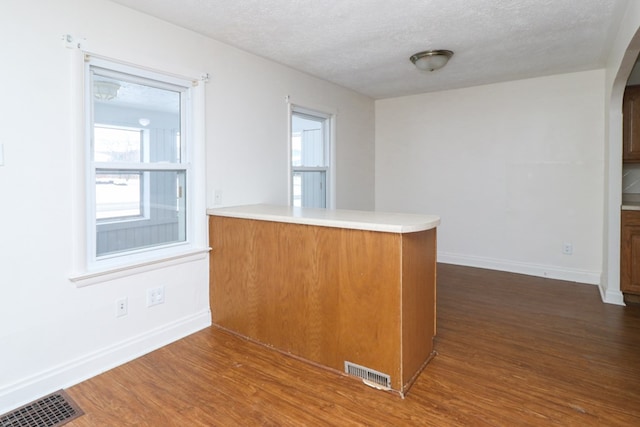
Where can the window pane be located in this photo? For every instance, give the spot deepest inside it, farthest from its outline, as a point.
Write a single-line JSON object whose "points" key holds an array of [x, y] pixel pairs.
{"points": [[118, 195], [162, 218], [309, 189], [126, 108], [117, 145], [307, 141], [297, 189]]}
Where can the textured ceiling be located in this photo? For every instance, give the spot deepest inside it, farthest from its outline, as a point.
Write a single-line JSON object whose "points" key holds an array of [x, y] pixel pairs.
{"points": [[365, 44]]}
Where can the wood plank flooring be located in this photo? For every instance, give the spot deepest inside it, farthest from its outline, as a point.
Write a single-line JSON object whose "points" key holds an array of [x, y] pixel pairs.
{"points": [[512, 350]]}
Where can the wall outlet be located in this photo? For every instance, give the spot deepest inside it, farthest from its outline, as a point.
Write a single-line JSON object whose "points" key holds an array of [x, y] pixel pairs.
{"points": [[567, 248], [155, 296], [122, 307]]}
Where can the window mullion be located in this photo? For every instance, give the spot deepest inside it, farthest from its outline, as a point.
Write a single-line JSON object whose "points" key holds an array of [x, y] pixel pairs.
{"points": [[112, 166], [309, 168]]}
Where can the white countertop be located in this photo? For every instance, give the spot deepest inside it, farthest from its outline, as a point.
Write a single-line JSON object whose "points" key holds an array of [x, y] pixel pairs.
{"points": [[339, 218], [630, 202]]}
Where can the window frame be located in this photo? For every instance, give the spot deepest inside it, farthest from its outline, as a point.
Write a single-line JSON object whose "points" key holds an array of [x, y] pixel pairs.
{"points": [[135, 74], [328, 119]]}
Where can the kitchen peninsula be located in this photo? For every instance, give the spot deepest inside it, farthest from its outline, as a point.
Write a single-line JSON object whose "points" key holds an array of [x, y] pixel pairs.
{"points": [[353, 291]]}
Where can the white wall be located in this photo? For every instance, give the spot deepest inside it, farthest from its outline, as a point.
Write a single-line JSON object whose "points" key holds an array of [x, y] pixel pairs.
{"points": [[247, 158], [514, 170], [52, 333]]}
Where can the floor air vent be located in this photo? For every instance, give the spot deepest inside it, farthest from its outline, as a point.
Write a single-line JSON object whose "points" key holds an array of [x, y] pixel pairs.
{"points": [[53, 410], [368, 375]]}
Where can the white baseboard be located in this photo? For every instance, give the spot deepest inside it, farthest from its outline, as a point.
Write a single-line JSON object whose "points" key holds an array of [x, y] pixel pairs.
{"points": [[611, 297], [75, 371], [551, 272]]}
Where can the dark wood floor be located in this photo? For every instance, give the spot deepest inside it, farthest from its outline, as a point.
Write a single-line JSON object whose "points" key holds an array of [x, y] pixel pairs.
{"points": [[512, 350]]}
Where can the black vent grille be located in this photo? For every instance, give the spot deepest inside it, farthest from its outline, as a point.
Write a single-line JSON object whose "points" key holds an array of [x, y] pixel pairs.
{"points": [[53, 410]]}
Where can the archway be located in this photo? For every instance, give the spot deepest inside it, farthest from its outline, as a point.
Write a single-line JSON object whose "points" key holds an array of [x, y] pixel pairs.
{"points": [[616, 82]]}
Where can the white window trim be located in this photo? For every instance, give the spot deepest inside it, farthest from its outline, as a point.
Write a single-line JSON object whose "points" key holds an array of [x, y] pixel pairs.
{"points": [[93, 277], [84, 272], [330, 115]]}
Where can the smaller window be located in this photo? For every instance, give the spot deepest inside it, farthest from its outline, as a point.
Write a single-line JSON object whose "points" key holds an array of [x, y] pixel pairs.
{"points": [[310, 164]]}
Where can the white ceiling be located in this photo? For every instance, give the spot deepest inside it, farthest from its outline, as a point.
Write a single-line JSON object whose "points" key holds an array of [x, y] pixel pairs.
{"points": [[365, 45]]}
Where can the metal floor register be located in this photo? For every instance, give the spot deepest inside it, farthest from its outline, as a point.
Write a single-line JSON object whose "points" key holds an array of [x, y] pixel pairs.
{"points": [[53, 410]]}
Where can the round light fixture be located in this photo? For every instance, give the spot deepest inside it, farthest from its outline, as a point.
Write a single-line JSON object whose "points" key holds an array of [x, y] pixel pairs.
{"points": [[431, 60], [105, 90]]}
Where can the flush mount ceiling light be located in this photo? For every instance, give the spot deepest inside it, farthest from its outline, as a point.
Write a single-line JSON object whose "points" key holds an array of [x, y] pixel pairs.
{"points": [[431, 60], [104, 90]]}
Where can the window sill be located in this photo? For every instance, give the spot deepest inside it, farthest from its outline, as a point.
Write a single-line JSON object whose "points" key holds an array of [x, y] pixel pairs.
{"points": [[92, 277]]}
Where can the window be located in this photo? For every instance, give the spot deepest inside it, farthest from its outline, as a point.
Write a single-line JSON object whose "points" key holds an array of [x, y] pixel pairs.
{"points": [[310, 158], [136, 156]]}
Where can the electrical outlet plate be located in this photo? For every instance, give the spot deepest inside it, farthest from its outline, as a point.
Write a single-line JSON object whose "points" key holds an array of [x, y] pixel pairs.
{"points": [[122, 307], [567, 248], [217, 197], [155, 296]]}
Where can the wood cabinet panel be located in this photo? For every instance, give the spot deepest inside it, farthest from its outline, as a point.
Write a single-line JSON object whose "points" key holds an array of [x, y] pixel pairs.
{"points": [[325, 294], [418, 301], [631, 124], [630, 253]]}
